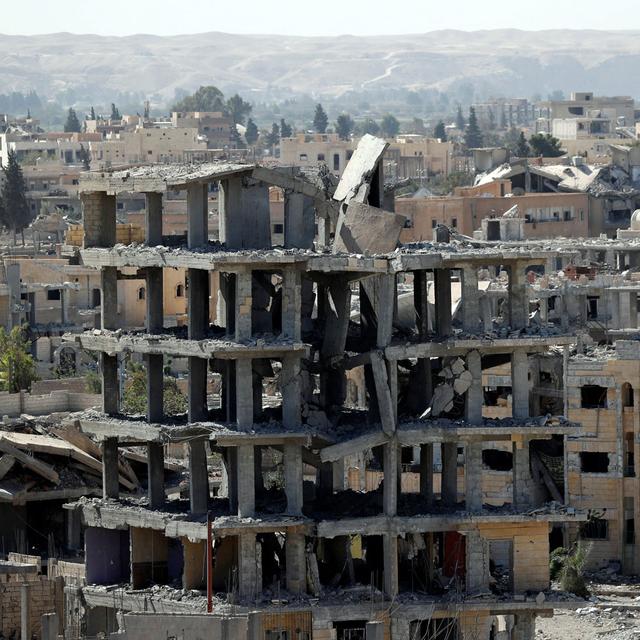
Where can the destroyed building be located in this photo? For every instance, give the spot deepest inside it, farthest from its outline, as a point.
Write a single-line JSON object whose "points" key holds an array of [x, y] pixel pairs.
{"points": [[304, 548]]}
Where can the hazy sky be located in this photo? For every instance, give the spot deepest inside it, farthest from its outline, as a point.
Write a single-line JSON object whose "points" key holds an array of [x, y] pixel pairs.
{"points": [[309, 17]]}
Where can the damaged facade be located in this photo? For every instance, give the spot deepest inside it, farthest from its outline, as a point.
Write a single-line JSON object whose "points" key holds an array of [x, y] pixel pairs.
{"points": [[333, 518]]}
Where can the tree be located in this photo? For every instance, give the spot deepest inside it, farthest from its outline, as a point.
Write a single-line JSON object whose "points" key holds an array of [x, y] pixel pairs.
{"points": [[440, 132], [85, 156], [460, 122], [417, 127], [207, 98], [544, 144], [13, 195], [491, 119], [344, 126], [17, 367], [286, 131], [72, 125], [251, 133], [273, 137], [134, 398], [472, 134], [370, 126], [320, 120], [92, 115], [522, 147], [115, 114], [389, 126], [238, 109]]}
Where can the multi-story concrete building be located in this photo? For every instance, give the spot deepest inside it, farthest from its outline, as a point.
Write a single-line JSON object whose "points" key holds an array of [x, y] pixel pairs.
{"points": [[299, 553], [215, 126]]}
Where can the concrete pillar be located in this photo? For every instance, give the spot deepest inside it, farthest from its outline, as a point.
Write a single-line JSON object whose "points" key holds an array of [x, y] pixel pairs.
{"points": [[522, 481], [197, 389], [614, 310], [518, 297], [109, 298], [525, 627], [421, 302], [426, 472], [337, 475], [243, 304], [296, 562], [49, 626], [244, 393], [245, 469], [474, 395], [385, 306], [477, 563], [470, 299], [290, 386], [154, 299], [449, 475], [110, 384], [293, 481], [520, 383], [292, 304], [155, 386], [155, 475], [247, 565], [198, 477], [110, 482], [198, 303], [25, 630], [98, 219], [74, 527], [486, 313], [197, 215], [390, 486], [473, 476], [153, 219], [442, 283], [390, 560]]}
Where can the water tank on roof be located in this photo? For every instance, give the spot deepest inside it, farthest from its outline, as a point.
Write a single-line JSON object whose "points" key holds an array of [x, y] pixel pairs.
{"points": [[635, 220]]}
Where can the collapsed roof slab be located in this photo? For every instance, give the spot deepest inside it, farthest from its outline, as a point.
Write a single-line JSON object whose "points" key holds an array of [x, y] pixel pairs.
{"points": [[166, 344], [159, 178]]}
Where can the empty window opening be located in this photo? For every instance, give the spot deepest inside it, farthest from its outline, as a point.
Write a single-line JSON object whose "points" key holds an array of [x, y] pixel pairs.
{"points": [[629, 458], [180, 291], [350, 630], [142, 293], [336, 162], [627, 395], [593, 397], [595, 529], [497, 460], [53, 294], [594, 462], [496, 396], [592, 307]]}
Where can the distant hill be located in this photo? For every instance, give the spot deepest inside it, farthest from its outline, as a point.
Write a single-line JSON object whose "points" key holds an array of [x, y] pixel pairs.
{"points": [[500, 62]]}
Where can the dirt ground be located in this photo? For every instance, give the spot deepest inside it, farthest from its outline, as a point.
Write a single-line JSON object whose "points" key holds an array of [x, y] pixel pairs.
{"points": [[612, 613]]}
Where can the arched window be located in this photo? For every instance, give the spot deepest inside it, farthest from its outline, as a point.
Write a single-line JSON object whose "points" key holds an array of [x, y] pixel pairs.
{"points": [[142, 293], [627, 395], [180, 291]]}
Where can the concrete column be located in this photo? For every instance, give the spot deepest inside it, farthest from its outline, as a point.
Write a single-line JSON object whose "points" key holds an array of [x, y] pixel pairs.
{"points": [[518, 297], [614, 310], [296, 562], [49, 625], [25, 630], [98, 219], [426, 472], [153, 219], [486, 313], [198, 477], [292, 304], [197, 215], [390, 551], [110, 482], [442, 283], [385, 306], [244, 393], [293, 481], [109, 298], [337, 475], [198, 303], [243, 300], [245, 469], [421, 302], [290, 386], [110, 384], [473, 476], [470, 299], [155, 386], [474, 395], [155, 475], [522, 480], [154, 298], [74, 527], [197, 390], [520, 383], [525, 627], [247, 565], [449, 476], [477, 563], [390, 486]]}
